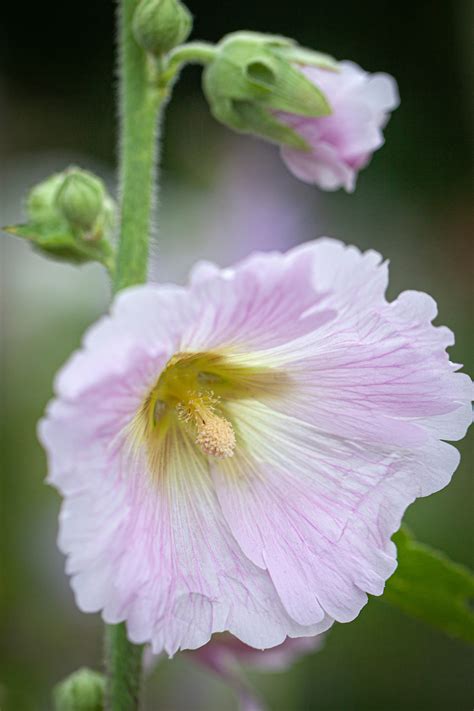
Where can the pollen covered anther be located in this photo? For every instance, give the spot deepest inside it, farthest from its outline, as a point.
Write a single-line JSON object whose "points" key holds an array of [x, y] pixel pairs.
{"points": [[215, 435]]}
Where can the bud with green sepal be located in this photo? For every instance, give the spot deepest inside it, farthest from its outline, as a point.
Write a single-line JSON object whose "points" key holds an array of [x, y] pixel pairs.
{"points": [[84, 690], [83, 202], [253, 76], [80, 199], [70, 217], [160, 25], [41, 201]]}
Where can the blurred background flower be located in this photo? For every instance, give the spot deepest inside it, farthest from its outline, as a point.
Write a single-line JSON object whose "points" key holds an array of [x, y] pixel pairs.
{"points": [[222, 196], [231, 660]]}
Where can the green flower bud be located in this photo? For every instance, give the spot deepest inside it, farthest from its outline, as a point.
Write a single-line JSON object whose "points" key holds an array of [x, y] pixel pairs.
{"points": [[105, 223], [70, 217], [41, 202], [160, 25], [84, 690], [253, 76], [80, 198]]}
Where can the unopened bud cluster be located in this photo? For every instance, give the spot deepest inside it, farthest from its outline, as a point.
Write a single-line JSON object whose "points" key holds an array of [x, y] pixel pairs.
{"points": [[71, 217]]}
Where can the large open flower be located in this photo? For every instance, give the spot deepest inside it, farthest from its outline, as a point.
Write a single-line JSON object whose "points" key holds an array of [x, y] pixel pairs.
{"points": [[235, 455]]}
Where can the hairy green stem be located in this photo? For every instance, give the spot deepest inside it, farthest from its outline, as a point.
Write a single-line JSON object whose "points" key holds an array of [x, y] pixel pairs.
{"points": [[141, 99], [190, 53], [124, 661]]}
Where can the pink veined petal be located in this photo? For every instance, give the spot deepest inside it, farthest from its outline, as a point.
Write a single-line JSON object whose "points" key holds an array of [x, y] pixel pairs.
{"points": [[261, 303], [344, 272], [382, 374], [381, 377], [144, 318], [317, 513], [285, 512], [268, 300]]}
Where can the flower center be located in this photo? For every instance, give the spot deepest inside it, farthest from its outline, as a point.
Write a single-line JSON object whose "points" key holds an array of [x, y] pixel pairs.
{"points": [[190, 400], [185, 392]]}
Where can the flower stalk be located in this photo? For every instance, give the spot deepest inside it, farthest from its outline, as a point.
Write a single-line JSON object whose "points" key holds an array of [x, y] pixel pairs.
{"points": [[141, 100], [190, 53], [124, 662]]}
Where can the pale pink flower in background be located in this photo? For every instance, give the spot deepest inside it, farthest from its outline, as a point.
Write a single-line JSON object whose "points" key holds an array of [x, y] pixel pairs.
{"points": [[343, 142], [252, 206], [229, 658], [235, 455]]}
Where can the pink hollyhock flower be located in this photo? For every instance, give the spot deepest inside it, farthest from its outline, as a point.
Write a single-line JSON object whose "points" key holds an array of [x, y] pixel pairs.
{"points": [[227, 657], [343, 142], [234, 455]]}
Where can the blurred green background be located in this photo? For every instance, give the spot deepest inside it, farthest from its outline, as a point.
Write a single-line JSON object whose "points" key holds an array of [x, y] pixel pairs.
{"points": [[221, 197]]}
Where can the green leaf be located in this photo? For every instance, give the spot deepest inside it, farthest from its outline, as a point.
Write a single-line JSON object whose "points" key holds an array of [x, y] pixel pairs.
{"points": [[59, 241], [430, 587]]}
